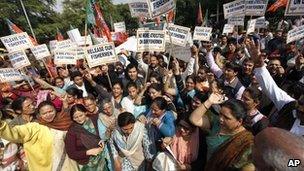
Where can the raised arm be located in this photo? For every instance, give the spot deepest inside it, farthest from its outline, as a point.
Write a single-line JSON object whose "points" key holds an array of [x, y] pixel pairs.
{"points": [[213, 66]]}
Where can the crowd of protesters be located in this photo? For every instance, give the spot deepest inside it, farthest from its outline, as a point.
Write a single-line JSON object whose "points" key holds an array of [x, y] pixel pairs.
{"points": [[149, 111]]}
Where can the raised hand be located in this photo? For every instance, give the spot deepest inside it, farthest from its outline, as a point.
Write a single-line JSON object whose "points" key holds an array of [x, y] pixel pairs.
{"points": [[216, 98]]}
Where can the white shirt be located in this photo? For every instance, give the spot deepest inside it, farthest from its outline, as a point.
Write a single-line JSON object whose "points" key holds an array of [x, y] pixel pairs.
{"points": [[84, 91]]}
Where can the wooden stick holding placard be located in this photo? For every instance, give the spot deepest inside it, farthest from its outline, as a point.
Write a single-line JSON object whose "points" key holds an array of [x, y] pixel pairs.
{"points": [[109, 79], [47, 68], [23, 71], [171, 45]]}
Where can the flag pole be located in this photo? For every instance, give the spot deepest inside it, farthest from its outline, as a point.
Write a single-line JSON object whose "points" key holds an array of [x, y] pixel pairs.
{"points": [[27, 19]]}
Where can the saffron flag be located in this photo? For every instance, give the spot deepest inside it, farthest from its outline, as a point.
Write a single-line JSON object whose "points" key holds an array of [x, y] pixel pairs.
{"points": [[15, 29], [170, 16], [199, 16], [96, 20], [276, 5], [59, 36]]}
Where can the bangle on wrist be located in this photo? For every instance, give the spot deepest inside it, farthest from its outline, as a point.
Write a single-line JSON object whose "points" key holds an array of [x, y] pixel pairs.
{"points": [[205, 106]]}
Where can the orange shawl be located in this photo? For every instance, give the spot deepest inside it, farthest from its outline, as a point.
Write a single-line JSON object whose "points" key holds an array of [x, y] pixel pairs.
{"points": [[62, 121]]}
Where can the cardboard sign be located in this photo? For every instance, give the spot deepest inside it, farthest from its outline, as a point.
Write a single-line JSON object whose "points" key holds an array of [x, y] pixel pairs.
{"points": [[80, 53], [154, 26], [182, 53], [40, 51], [101, 54], [139, 9], [251, 26], [151, 40], [202, 33], [65, 44], [295, 34], [294, 8], [15, 42], [19, 59], [228, 28], [74, 35], [256, 7], [260, 22], [236, 21], [83, 41], [179, 34], [235, 8], [53, 45], [9, 75], [160, 7], [64, 57], [120, 27]]}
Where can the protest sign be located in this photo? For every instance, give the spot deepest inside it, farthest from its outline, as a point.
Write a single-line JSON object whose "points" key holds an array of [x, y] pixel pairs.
{"points": [[139, 9], [53, 45], [295, 34], [160, 7], [251, 26], [120, 27], [74, 35], [260, 22], [235, 8], [83, 41], [80, 53], [64, 57], [228, 28], [9, 75], [182, 53], [154, 26], [202, 33], [236, 20], [40, 51], [15, 42], [255, 7], [101, 54], [294, 8], [150, 40], [19, 59], [65, 44], [179, 34]]}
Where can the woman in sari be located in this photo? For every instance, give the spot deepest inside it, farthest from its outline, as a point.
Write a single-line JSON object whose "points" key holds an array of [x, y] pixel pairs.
{"points": [[229, 144], [82, 141]]}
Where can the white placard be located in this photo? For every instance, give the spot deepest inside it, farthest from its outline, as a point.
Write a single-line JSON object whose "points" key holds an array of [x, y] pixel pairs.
{"points": [[295, 34], [294, 8], [256, 7], [74, 35], [202, 33], [160, 7], [151, 40], [236, 21], [40, 51], [139, 9], [182, 53], [228, 28], [15, 42], [251, 26], [83, 41], [120, 27], [80, 53], [101, 54], [260, 22], [9, 75], [179, 34], [65, 44], [53, 45], [64, 57], [19, 59], [235, 8]]}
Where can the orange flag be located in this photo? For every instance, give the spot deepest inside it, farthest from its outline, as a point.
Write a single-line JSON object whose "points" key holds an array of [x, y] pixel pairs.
{"points": [[199, 16], [14, 29], [276, 5]]}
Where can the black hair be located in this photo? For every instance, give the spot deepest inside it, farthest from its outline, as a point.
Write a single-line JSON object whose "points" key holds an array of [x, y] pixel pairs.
{"points": [[192, 76], [130, 66], [75, 108], [45, 103], [233, 66], [74, 92], [157, 76], [75, 74], [90, 97], [248, 60], [157, 87], [125, 118], [57, 78], [296, 90], [17, 104], [232, 41], [201, 96], [119, 83], [217, 50], [161, 103], [255, 93], [131, 84], [237, 108]]}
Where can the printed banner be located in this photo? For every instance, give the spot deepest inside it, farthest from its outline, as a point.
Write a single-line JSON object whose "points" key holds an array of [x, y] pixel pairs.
{"points": [[256, 7], [235, 8], [160, 7], [15, 42], [294, 8], [40, 51], [139, 9], [9, 75], [19, 59], [179, 34], [120, 27], [251, 26], [236, 21], [260, 22], [228, 28], [101, 54], [295, 34], [64, 58], [150, 40], [202, 33]]}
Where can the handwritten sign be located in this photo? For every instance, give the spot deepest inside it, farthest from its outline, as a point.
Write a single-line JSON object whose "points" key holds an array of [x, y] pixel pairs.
{"points": [[236, 21], [151, 40], [65, 44], [294, 8], [295, 34], [15, 42], [179, 34], [228, 28], [9, 75], [260, 22], [235, 8], [139, 9], [101, 54], [53, 45], [120, 27], [256, 7], [64, 58], [202, 33], [182, 53], [160, 7], [40, 51], [251, 26], [19, 59]]}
